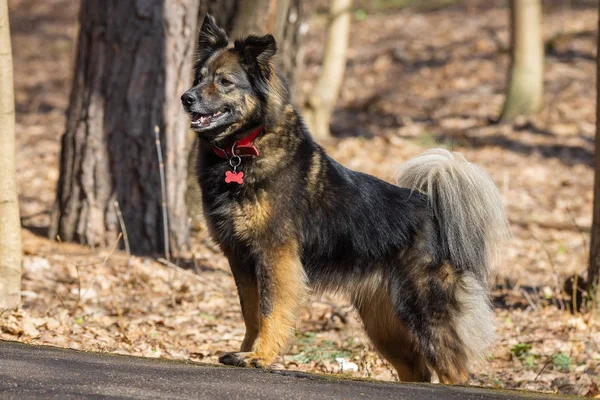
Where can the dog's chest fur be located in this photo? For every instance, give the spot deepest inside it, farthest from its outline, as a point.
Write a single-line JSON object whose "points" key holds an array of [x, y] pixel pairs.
{"points": [[255, 212]]}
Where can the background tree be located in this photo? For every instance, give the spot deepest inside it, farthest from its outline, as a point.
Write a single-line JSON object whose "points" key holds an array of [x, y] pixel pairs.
{"points": [[321, 101], [132, 64], [10, 224], [525, 87], [284, 19], [594, 266]]}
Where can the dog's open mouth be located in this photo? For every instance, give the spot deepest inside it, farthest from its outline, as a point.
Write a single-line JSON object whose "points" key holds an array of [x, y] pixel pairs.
{"points": [[201, 120]]}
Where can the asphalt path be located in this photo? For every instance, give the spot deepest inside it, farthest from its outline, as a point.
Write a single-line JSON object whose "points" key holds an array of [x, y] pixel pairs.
{"points": [[44, 372]]}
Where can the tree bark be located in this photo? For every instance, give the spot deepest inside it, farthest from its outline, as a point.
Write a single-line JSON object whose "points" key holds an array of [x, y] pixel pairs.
{"points": [[322, 100], [284, 19], [594, 265], [260, 17], [224, 12], [10, 225], [526, 77], [290, 60], [133, 62]]}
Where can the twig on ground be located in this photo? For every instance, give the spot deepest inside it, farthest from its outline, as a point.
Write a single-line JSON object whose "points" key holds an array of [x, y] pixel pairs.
{"points": [[575, 290], [548, 224], [163, 193], [181, 270], [543, 368], [123, 228], [112, 250], [77, 269], [530, 300]]}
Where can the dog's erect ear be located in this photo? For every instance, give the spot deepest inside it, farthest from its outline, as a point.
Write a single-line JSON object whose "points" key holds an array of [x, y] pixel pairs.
{"points": [[210, 39], [257, 50]]}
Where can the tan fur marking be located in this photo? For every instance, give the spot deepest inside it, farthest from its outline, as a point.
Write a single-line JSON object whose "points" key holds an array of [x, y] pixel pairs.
{"points": [[364, 289], [251, 218], [390, 337], [444, 276], [273, 155], [313, 173], [289, 288], [225, 62], [250, 103]]}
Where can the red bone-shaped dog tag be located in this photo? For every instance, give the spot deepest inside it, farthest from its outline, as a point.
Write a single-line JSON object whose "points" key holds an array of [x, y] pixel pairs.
{"points": [[237, 177]]}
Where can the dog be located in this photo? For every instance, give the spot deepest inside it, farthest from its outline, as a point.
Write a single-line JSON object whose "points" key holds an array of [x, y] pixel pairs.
{"points": [[414, 258]]}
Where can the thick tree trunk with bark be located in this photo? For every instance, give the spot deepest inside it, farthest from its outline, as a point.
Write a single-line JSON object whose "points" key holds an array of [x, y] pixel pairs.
{"points": [[525, 88], [284, 19], [10, 224], [291, 45], [594, 266], [133, 62], [322, 100]]}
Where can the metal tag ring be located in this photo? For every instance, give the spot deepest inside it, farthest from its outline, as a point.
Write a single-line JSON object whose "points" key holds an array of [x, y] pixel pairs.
{"points": [[235, 161]]}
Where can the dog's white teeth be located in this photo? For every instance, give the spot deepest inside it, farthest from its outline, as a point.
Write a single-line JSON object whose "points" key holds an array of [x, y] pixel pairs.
{"points": [[204, 119]]}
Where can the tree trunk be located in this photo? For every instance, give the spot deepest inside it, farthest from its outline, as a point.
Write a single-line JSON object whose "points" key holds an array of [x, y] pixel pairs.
{"points": [[322, 100], [10, 225], [224, 12], [526, 78], [284, 19], [291, 45], [133, 62], [260, 17], [594, 266]]}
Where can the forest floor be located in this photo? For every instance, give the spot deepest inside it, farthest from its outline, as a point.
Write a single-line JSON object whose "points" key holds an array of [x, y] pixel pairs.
{"points": [[416, 78]]}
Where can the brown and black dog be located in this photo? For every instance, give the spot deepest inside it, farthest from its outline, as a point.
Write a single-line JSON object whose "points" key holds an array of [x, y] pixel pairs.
{"points": [[414, 257]]}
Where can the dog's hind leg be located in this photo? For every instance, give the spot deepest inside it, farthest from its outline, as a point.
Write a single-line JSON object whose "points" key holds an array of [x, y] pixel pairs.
{"points": [[391, 337], [446, 312], [464, 332]]}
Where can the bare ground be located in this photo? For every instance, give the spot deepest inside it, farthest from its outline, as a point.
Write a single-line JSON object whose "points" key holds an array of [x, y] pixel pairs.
{"points": [[416, 78]]}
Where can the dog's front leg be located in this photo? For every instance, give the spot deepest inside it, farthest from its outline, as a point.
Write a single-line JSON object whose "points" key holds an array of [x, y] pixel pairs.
{"points": [[244, 273], [281, 288]]}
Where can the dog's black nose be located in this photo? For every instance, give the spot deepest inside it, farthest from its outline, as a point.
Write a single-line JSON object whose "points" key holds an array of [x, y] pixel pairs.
{"points": [[188, 98]]}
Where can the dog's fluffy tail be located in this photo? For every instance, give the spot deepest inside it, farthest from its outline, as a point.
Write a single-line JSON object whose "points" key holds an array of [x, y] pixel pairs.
{"points": [[472, 224], [466, 204]]}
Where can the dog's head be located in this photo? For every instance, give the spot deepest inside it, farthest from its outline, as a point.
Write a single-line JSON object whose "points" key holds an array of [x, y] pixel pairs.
{"points": [[231, 85]]}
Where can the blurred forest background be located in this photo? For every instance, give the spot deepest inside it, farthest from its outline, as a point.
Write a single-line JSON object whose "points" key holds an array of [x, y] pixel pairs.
{"points": [[418, 74]]}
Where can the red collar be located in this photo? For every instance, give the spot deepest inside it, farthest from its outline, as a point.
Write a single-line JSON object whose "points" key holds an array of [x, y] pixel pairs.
{"points": [[242, 147]]}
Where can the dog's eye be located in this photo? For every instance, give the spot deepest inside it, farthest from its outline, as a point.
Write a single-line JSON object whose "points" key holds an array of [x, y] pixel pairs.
{"points": [[225, 82]]}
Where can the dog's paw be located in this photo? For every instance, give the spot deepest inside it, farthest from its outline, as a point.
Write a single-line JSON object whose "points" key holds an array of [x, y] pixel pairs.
{"points": [[248, 359]]}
